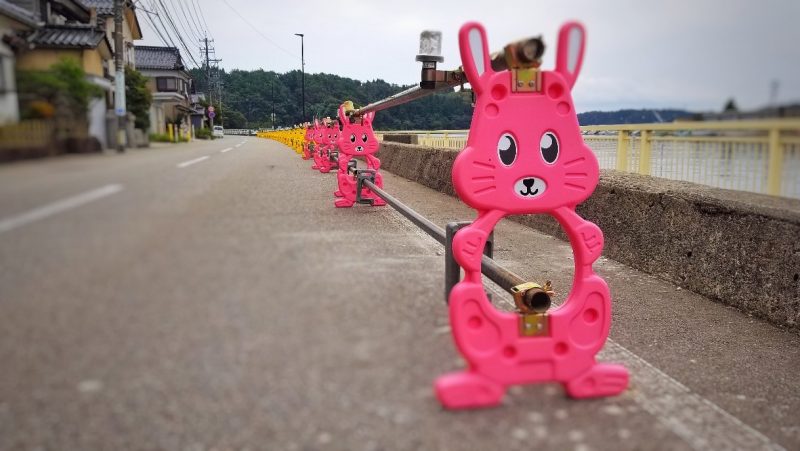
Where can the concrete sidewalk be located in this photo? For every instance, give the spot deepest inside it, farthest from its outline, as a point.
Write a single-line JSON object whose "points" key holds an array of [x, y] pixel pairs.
{"points": [[229, 305]]}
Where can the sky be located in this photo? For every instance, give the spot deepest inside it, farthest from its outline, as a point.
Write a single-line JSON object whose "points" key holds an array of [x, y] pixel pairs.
{"points": [[689, 54]]}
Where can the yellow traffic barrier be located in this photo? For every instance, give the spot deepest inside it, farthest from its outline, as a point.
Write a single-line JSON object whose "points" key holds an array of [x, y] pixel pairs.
{"points": [[293, 137]]}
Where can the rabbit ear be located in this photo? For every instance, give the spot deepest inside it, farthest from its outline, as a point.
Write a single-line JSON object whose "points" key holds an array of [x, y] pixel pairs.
{"points": [[343, 116], [474, 54], [369, 117], [569, 57]]}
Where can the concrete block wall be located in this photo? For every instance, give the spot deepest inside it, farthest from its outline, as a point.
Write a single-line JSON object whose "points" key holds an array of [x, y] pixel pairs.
{"points": [[737, 248]]}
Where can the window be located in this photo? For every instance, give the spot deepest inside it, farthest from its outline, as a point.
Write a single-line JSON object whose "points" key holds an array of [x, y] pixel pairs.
{"points": [[166, 84]]}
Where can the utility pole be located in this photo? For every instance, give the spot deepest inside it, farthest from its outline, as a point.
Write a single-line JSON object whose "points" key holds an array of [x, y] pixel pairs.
{"points": [[209, 89], [208, 84], [119, 76], [303, 68], [272, 98]]}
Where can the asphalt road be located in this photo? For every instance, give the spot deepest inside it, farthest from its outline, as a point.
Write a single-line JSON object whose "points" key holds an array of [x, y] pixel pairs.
{"points": [[209, 296]]}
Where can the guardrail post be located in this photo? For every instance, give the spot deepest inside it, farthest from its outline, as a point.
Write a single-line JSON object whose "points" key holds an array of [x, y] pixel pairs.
{"points": [[775, 168], [622, 150], [644, 153]]}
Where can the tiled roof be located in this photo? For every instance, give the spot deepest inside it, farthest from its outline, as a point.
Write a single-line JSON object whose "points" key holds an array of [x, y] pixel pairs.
{"points": [[15, 12], [167, 58], [104, 7], [67, 36]]}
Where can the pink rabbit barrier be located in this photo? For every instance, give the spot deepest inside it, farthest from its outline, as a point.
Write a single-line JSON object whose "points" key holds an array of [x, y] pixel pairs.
{"points": [[525, 154], [357, 139]]}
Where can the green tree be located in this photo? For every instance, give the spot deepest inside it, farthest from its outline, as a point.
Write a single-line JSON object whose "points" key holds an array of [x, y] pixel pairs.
{"points": [[63, 85], [235, 119], [138, 97]]}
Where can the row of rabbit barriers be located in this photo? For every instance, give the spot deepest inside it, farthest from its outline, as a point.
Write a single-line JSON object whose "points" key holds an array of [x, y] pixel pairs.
{"points": [[524, 155]]}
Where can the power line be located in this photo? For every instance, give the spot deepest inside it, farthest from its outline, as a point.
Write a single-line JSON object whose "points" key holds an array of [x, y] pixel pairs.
{"points": [[177, 33], [266, 38], [187, 26], [152, 6], [199, 12], [153, 26], [198, 23]]}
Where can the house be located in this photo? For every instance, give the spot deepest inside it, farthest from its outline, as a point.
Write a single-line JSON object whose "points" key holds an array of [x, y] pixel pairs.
{"points": [[131, 30], [13, 20], [170, 84], [198, 117], [81, 30]]}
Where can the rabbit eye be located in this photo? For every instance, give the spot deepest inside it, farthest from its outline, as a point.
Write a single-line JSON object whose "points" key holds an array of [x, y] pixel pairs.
{"points": [[549, 147], [352, 138], [507, 149], [364, 137]]}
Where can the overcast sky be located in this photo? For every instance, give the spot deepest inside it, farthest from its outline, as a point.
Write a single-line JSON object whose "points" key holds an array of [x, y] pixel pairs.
{"points": [[692, 54]]}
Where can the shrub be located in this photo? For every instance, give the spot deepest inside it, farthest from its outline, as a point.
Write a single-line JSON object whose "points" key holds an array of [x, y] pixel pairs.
{"points": [[160, 138], [138, 97], [203, 133], [63, 85]]}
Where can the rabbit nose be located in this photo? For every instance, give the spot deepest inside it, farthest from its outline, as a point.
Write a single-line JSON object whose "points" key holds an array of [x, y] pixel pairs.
{"points": [[528, 182]]}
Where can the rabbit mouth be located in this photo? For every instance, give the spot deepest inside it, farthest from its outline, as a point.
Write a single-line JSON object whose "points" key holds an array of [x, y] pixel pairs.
{"points": [[530, 187], [359, 148]]}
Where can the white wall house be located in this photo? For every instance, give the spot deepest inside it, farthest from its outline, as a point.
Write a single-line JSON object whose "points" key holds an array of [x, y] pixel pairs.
{"points": [[170, 84]]}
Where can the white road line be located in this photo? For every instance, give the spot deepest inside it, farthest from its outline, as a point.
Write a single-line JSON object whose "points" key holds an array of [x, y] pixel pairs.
{"points": [[227, 149], [698, 421], [58, 207], [238, 145], [191, 162]]}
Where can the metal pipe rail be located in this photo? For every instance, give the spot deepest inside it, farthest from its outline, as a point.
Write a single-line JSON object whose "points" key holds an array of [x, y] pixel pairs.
{"points": [[529, 295], [406, 96], [523, 53]]}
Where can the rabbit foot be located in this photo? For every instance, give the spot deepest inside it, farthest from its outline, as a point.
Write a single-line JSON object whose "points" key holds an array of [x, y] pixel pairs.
{"points": [[343, 203], [602, 379], [468, 390]]}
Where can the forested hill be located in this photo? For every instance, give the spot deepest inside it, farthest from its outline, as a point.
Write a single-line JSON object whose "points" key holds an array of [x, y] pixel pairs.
{"points": [[249, 98]]}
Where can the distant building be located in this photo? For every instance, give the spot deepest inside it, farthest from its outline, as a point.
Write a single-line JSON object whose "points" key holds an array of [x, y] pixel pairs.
{"points": [[199, 115], [13, 20], [81, 30], [170, 84], [771, 112]]}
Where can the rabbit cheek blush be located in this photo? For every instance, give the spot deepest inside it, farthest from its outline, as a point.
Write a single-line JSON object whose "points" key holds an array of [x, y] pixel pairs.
{"points": [[524, 155]]}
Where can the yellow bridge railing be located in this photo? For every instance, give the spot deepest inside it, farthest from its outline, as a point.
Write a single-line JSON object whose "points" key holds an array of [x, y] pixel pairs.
{"points": [[761, 156]]}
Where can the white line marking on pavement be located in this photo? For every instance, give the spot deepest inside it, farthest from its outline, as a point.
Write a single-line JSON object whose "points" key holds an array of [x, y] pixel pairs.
{"points": [[698, 421], [227, 149], [191, 162], [238, 145], [58, 207]]}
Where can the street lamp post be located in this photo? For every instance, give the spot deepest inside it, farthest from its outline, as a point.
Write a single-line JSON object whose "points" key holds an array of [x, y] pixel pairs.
{"points": [[303, 68]]}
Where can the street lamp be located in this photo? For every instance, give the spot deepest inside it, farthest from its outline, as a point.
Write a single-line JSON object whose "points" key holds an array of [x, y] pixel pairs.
{"points": [[303, 67]]}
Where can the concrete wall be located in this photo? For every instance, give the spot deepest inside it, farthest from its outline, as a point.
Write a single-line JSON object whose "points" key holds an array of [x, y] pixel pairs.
{"points": [[737, 248]]}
